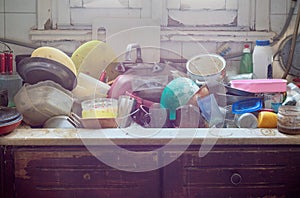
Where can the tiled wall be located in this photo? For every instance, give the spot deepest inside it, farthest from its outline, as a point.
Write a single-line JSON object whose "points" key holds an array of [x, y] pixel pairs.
{"points": [[17, 17]]}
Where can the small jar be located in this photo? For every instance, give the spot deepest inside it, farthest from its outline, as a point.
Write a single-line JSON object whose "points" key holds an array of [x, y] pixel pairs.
{"points": [[288, 120]]}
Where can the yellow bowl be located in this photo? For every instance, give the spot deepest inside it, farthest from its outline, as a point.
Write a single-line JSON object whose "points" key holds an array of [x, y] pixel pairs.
{"points": [[267, 119], [56, 55]]}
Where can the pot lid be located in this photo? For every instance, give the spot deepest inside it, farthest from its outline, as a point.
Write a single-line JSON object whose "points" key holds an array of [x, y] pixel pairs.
{"points": [[8, 114]]}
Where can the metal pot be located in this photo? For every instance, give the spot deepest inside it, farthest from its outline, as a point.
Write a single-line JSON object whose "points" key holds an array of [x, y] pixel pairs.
{"points": [[64, 122]]}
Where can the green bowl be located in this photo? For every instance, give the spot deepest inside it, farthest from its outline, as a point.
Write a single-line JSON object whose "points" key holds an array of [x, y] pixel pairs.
{"points": [[177, 93]]}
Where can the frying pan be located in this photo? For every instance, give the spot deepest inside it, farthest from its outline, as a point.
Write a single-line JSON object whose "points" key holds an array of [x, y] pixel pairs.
{"points": [[35, 69]]}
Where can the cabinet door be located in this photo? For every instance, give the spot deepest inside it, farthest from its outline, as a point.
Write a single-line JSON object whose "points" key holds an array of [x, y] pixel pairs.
{"points": [[75, 172], [234, 172], [1, 171]]}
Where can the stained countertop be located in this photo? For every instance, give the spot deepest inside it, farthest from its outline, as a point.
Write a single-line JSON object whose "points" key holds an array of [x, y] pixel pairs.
{"points": [[147, 136]]}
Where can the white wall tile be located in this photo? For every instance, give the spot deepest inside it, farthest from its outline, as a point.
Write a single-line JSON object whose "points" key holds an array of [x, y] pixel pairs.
{"points": [[105, 3], [195, 5], [135, 3], [277, 22], [75, 3], [20, 6], [206, 18], [173, 4], [191, 49], [262, 17], [1, 5], [17, 26], [2, 25], [171, 50], [278, 7], [86, 16], [231, 4]]}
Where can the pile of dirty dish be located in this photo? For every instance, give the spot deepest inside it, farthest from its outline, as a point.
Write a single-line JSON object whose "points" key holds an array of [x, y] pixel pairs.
{"points": [[92, 89], [53, 82], [10, 118]]}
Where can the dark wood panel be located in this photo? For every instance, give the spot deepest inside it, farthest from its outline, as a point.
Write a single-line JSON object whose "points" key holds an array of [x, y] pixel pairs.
{"points": [[75, 172], [256, 191], [8, 173], [233, 171], [2, 185]]}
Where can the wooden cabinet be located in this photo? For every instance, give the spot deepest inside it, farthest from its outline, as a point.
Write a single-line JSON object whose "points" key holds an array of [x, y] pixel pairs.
{"points": [[75, 172], [234, 171], [1, 171], [225, 171]]}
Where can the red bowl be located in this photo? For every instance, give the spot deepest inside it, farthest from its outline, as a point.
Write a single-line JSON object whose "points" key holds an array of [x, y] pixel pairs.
{"points": [[10, 126]]}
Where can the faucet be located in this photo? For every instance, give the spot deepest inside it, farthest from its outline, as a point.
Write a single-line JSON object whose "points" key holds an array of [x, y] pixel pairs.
{"points": [[138, 52]]}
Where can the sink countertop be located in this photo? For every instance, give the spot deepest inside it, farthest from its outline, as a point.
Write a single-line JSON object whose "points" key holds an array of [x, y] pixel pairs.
{"points": [[142, 136]]}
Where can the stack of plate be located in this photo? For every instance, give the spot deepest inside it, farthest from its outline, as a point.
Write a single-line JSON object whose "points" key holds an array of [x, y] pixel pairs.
{"points": [[10, 119], [48, 63]]}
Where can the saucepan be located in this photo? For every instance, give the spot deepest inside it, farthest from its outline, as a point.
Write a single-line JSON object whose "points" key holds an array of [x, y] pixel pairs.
{"points": [[63, 121]]}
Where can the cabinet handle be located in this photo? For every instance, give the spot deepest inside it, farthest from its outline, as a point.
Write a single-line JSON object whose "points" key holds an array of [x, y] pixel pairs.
{"points": [[236, 179], [86, 176]]}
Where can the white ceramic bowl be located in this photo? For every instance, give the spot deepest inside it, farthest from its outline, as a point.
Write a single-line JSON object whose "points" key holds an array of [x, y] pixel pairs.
{"points": [[206, 67]]}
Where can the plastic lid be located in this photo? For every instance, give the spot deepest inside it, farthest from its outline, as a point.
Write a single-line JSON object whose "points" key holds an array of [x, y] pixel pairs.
{"points": [[262, 42], [247, 106], [246, 48]]}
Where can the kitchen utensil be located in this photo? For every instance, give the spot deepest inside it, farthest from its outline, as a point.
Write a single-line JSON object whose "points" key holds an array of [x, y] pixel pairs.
{"points": [[188, 116], [8, 127], [260, 85], [100, 108], [288, 119], [64, 122], [245, 120], [55, 55], [177, 93], [82, 51], [140, 101], [268, 119], [206, 67], [89, 88], [148, 87], [3, 97], [43, 100], [37, 69], [237, 92], [247, 106], [12, 83], [159, 117], [230, 99], [93, 63], [126, 105], [210, 110], [8, 114], [99, 123]]}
